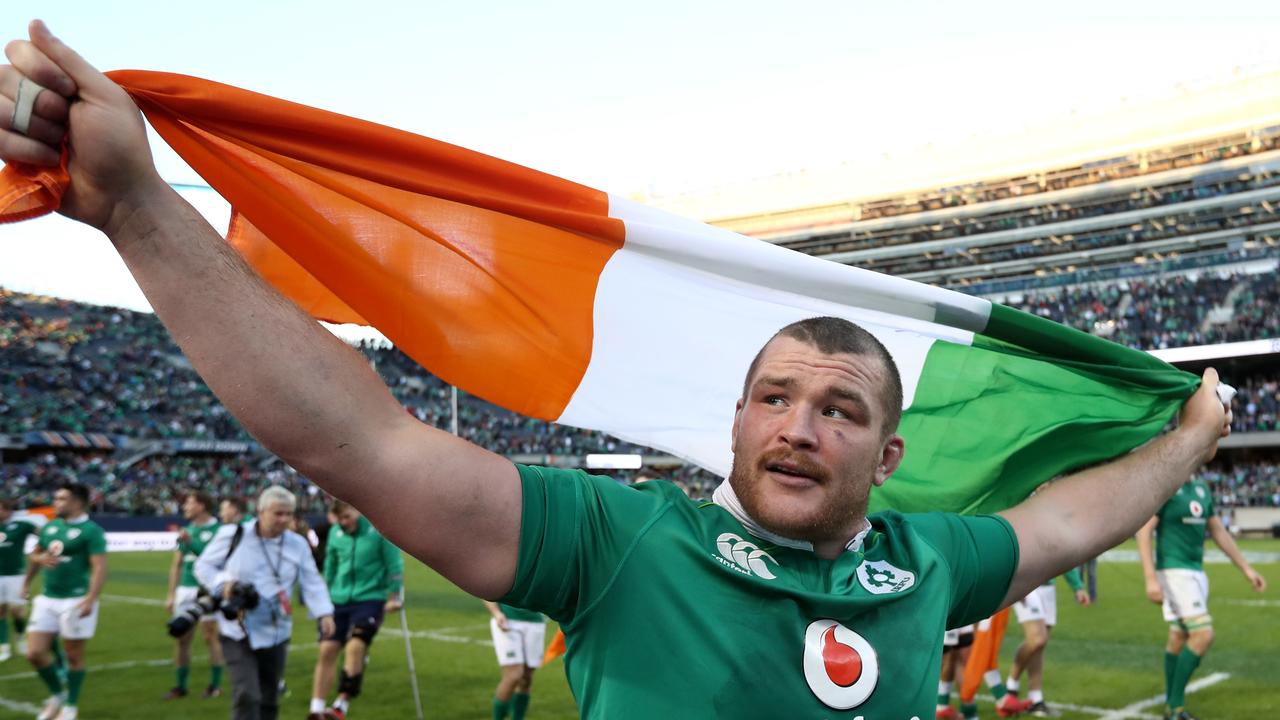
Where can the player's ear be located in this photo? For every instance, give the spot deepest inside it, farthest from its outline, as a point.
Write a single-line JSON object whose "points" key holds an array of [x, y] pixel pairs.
{"points": [[733, 429], [890, 458]]}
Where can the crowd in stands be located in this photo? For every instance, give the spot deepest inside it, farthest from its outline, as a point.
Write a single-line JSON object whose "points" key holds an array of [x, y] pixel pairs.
{"points": [[154, 485], [1171, 312], [1051, 212], [1210, 182], [1256, 407], [73, 367], [66, 366], [1050, 242], [83, 368], [1245, 485], [1092, 173]]}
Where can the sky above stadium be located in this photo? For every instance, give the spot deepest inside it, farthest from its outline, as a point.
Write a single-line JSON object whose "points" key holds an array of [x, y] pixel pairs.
{"points": [[654, 98]]}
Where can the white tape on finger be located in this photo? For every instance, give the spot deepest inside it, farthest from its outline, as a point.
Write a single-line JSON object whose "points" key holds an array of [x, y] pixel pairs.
{"points": [[28, 91], [1225, 393]]}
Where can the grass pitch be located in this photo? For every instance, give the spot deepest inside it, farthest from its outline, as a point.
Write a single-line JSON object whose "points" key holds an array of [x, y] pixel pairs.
{"points": [[1103, 661]]}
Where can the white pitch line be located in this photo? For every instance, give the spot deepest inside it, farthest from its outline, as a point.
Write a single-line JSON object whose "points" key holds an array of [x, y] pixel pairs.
{"points": [[122, 665], [1252, 603], [1086, 709], [19, 707], [134, 600], [440, 635], [436, 635], [1131, 710], [1211, 556]]}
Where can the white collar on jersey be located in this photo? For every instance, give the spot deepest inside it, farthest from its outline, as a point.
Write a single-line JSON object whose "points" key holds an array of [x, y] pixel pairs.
{"points": [[82, 517], [725, 497]]}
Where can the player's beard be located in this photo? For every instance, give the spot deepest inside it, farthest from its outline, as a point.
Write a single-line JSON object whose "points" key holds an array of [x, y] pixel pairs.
{"points": [[839, 517]]}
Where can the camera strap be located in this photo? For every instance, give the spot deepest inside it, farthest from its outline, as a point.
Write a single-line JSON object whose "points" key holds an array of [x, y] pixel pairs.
{"points": [[235, 542]]}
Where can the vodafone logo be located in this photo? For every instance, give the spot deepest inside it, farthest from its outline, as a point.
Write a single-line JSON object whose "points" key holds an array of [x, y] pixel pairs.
{"points": [[1196, 508], [839, 665], [744, 556]]}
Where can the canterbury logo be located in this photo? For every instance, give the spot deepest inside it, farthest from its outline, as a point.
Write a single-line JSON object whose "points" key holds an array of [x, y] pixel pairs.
{"points": [[744, 556]]}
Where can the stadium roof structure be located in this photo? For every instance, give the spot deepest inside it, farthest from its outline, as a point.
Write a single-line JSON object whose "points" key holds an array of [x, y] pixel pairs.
{"points": [[767, 207]]}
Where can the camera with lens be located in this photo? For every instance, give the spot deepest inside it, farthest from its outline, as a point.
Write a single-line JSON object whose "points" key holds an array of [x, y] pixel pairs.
{"points": [[242, 596], [190, 613]]}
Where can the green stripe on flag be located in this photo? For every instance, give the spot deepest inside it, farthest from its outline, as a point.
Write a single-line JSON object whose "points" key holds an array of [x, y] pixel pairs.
{"points": [[1031, 399]]}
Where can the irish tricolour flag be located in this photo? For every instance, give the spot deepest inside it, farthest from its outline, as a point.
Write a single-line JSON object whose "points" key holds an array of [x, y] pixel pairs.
{"points": [[568, 304]]}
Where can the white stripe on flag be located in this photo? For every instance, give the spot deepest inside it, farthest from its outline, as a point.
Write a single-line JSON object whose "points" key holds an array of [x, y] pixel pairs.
{"points": [[682, 351]]}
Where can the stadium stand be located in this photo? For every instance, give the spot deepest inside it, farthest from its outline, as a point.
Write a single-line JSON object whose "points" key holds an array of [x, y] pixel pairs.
{"points": [[71, 368]]}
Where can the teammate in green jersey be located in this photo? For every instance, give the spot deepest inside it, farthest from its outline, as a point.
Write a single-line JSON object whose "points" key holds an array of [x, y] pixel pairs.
{"points": [[231, 510], [780, 599], [1038, 614], [365, 574], [197, 508], [1175, 578], [72, 548], [956, 646], [519, 640], [13, 567]]}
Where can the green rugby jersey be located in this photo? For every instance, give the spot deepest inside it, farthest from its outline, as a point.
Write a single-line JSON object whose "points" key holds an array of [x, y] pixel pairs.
{"points": [[13, 542], [515, 613], [72, 543], [1073, 578], [198, 537], [361, 566], [671, 608], [1180, 532]]}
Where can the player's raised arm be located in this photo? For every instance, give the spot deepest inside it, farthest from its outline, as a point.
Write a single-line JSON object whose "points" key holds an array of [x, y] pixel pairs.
{"points": [[1082, 515], [299, 390]]}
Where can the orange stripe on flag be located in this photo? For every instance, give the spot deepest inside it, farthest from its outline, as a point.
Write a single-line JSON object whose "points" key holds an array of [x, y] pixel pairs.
{"points": [[556, 648], [481, 270]]}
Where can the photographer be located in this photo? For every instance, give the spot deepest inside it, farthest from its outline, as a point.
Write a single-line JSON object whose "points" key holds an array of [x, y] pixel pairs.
{"points": [[252, 568]]}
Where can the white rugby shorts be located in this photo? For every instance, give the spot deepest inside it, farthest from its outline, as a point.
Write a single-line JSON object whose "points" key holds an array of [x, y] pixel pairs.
{"points": [[951, 638], [522, 644], [62, 616], [11, 590], [1186, 593], [1039, 604]]}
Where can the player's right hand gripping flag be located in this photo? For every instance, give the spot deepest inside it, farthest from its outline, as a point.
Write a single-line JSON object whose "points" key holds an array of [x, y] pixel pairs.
{"points": [[568, 304]]}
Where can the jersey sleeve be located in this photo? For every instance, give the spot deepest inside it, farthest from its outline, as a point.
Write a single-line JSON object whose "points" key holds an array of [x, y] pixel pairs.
{"points": [[98, 542], [575, 532], [330, 570], [1074, 581], [982, 552], [393, 562]]}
